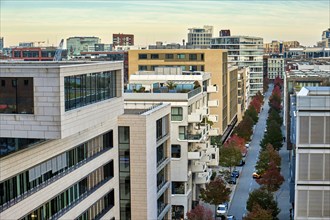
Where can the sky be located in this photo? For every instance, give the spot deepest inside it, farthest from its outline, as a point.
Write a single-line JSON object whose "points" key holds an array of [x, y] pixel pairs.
{"points": [[167, 21]]}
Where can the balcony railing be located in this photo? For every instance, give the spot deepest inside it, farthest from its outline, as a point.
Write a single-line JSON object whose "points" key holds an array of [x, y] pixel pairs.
{"points": [[194, 92], [49, 181]]}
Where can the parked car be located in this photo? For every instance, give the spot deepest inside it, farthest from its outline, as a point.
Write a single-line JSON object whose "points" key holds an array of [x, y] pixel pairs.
{"points": [[235, 173], [255, 175], [222, 210], [247, 145], [242, 162], [232, 180]]}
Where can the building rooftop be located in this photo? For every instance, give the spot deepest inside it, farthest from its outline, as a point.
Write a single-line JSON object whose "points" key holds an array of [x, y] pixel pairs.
{"points": [[142, 108], [49, 64], [315, 91], [307, 73]]}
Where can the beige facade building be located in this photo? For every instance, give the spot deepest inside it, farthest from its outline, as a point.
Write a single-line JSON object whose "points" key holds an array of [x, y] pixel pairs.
{"points": [[212, 61], [242, 92], [312, 176], [279, 46]]}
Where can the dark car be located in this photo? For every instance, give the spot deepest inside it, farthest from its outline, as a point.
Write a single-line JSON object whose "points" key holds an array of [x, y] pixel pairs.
{"points": [[231, 217], [242, 162], [232, 180], [235, 173]]}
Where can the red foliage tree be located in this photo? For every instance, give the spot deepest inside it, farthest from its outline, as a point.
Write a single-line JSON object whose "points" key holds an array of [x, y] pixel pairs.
{"points": [[258, 213], [236, 141], [272, 179], [256, 104], [200, 213], [278, 82], [244, 128]]}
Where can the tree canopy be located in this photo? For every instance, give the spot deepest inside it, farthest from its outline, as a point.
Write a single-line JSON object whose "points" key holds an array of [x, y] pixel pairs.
{"points": [[259, 213], [266, 156], [272, 179], [230, 156], [215, 192], [200, 213]]}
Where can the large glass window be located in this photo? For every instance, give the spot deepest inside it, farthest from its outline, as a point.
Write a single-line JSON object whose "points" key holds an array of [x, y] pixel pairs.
{"points": [[178, 188], [85, 89], [154, 56], [161, 153], [161, 127], [176, 114], [11, 145], [193, 56], [169, 56], [181, 56], [16, 95], [143, 56]]}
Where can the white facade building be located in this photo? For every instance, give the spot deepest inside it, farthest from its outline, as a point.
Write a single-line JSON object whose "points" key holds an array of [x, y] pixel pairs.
{"points": [[200, 36], [244, 51], [276, 68], [75, 45], [58, 138], [191, 152], [312, 180]]}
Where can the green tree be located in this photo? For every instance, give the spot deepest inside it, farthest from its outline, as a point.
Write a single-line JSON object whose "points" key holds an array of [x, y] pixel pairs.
{"points": [[264, 199], [170, 85], [244, 128], [266, 156], [215, 192], [252, 112], [216, 140], [273, 136], [259, 213], [273, 115], [230, 156]]}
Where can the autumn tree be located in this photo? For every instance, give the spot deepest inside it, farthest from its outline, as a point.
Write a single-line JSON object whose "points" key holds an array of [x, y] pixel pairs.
{"points": [[256, 104], [236, 141], [278, 82], [215, 192], [265, 84], [200, 213], [275, 99], [264, 199], [259, 213], [230, 156], [272, 179], [273, 115], [266, 156], [259, 97], [244, 128]]}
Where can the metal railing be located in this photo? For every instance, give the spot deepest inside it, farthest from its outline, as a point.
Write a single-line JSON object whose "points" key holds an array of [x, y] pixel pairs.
{"points": [[194, 92]]}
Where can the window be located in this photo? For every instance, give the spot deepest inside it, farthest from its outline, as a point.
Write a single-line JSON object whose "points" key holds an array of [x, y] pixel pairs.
{"points": [[176, 151], [143, 56], [17, 97], [176, 114], [193, 68], [169, 56], [178, 188], [154, 56], [161, 127], [142, 68], [193, 56], [181, 56]]}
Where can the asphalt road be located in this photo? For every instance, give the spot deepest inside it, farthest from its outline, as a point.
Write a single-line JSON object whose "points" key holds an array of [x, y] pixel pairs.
{"points": [[246, 183]]}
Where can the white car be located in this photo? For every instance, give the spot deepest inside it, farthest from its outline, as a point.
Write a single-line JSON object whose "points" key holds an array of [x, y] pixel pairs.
{"points": [[221, 210]]}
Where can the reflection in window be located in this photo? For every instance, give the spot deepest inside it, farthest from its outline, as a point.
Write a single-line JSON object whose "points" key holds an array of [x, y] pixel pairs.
{"points": [[85, 89], [176, 151], [16, 95], [176, 114]]}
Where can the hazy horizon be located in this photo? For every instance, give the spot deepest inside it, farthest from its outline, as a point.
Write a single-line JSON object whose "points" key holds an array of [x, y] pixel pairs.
{"points": [[167, 21]]}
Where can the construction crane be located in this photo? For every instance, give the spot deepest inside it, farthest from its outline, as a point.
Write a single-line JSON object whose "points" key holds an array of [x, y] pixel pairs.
{"points": [[58, 52]]}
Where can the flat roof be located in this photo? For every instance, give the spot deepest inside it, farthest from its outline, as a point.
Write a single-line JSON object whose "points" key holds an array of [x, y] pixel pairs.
{"points": [[315, 91], [50, 64]]}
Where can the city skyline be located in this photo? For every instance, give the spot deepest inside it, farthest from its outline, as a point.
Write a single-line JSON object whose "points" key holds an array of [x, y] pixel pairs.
{"points": [[152, 21]]}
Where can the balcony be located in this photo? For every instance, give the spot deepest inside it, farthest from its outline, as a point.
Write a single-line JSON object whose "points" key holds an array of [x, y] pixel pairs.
{"points": [[202, 178], [213, 118], [212, 89], [204, 111], [196, 135], [214, 132], [213, 103], [195, 155], [206, 157], [195, 117], [162, 209], [198, 167]]}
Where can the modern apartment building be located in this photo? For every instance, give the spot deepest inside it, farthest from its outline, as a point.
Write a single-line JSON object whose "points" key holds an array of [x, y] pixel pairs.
{"points": [[275, 68], [242, 92], [1, 43], [123, 39], [59, 140], [192, 155], [200, 36], [244, 51], [144, 161], [212, 61], [278, 47], [34, 53], [75, 45], [312, 182], [307, 52]]}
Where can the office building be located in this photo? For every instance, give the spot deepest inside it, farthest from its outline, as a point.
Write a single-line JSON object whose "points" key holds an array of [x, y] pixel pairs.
{"points": [[34, 53], [307, 52], [144, 155], [76, 45], [205, 60], [59, 120], [244, 51], [275, 68], [312, 188], [123, 39], [200, 36], [325, 42], [192, 155]]}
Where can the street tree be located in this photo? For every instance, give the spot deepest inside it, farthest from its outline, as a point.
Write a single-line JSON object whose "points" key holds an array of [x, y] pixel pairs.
{"points": [[236, 141], [230, 156], [252, 112], [244, 128], [259, 213], [273, 136], [266, 156], [272, 179], [273, 115], [264, 199], [215, 192], [256, 104], [200, 213], [278, 82]]}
